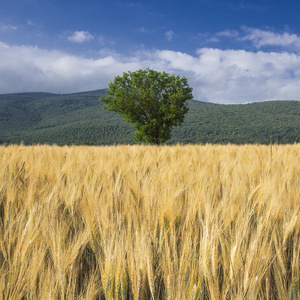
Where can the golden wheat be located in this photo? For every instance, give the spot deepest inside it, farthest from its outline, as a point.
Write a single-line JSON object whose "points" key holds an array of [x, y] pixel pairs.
{"points": [[144, 222]]}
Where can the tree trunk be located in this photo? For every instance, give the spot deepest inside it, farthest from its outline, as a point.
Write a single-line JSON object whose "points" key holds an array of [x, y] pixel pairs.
{"points": [[156, 142]]}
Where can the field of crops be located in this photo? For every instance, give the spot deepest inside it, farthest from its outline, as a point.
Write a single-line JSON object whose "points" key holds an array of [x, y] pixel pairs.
{"points": [[145, 222]]}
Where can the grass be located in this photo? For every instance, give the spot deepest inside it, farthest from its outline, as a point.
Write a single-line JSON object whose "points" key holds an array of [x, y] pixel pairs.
{"points": [[143, 222]]}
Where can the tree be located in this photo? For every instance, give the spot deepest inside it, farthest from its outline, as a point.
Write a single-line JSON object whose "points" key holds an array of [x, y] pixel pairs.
{"points": [[153, 101]]}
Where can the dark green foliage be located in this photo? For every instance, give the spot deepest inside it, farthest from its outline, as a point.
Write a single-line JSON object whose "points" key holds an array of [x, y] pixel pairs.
{"points": [[60, 119], [153, 101], [240, 124], [37, 118]]}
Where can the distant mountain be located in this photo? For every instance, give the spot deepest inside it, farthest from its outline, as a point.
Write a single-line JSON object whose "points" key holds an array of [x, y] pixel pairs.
{"points": [[43, 118]]}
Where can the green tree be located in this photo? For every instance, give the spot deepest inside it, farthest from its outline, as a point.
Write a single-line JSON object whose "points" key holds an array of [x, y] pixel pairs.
{"points": [[153, 101]]}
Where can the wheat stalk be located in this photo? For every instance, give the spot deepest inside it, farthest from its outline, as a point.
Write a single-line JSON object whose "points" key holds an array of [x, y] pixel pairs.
{"points": [[74, 229], [140, 285], [150, 278]]}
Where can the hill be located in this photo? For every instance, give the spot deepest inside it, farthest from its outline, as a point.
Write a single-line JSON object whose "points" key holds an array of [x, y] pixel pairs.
{"points": [[44, 118]]}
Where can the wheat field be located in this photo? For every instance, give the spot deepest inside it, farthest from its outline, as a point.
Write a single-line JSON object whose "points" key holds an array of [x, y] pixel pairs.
{"points": [[146, 222]]}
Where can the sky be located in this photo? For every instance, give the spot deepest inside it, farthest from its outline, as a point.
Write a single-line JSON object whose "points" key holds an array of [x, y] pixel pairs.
{"points": [[231, 51]]}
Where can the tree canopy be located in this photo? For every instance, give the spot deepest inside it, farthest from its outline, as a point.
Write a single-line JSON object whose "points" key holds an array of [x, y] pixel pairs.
{"points": [[154, 101]]}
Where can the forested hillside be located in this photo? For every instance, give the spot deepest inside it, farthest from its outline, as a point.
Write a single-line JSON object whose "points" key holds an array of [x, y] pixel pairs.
{"points": [[43, 118]]}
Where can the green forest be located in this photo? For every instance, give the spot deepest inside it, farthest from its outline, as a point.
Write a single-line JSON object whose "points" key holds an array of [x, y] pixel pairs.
{"points": [[76, 119]]}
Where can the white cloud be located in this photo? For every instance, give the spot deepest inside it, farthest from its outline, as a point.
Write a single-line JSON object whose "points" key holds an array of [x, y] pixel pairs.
{"points": [[7, 27], [80, 37], [169, 35], [221, 76], [262, 38], [228, 33], [28, 69], [213, 40], [238, 76]]}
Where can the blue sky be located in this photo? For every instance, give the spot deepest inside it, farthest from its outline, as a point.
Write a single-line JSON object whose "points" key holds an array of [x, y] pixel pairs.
{"points": [[231, 51]]}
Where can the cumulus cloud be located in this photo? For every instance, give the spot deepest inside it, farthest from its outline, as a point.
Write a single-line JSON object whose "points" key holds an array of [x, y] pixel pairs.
{"points": [[29, 69], [80, 37], [220, 76], [262, 38], [238, 76], [169, 35]]}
